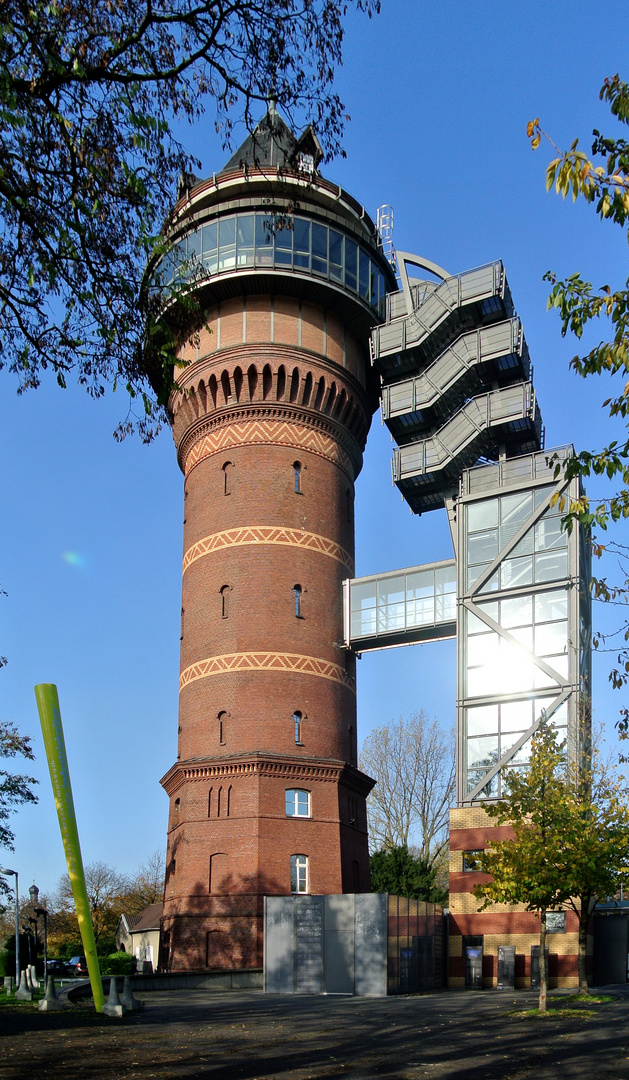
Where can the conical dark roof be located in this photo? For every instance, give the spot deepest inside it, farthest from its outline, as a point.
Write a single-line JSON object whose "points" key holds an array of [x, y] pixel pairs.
{"points": [[273, 144]]}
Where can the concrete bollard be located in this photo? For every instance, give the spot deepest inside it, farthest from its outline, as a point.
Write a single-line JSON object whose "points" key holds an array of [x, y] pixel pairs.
{"points": [[9, 984], [24, 992], [113, 1007], [50, 1003], [127, 999], [34, 979]]}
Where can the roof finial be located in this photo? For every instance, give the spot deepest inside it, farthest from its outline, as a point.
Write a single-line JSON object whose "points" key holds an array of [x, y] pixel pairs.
{"points": [[272, 101]]}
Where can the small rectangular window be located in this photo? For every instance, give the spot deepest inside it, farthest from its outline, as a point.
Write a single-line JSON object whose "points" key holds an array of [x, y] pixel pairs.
{"points": [[470, 861], [297, 803]]}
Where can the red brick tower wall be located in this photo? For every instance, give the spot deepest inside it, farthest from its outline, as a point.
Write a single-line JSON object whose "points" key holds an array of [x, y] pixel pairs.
{"points": [[270, 424]]}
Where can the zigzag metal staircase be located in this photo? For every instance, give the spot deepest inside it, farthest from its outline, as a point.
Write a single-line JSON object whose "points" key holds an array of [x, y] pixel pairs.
{"points": [[456, 380]]}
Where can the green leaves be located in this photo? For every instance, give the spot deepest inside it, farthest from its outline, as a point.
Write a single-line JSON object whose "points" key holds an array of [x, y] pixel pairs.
{"points": [[570, 823], [15, 788], [89, 165], [394, 870], [579, 305]]}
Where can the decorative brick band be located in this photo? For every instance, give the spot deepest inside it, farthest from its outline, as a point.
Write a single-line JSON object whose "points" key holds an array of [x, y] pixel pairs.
{"points": [[231, 663], [262, 534], [306, 770], [270, 433], [283, 770]]}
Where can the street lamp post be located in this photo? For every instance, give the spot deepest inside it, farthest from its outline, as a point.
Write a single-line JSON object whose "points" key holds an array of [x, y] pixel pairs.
{"points": [[28, 930], [44, 913], [13, 873], [33, 892]]}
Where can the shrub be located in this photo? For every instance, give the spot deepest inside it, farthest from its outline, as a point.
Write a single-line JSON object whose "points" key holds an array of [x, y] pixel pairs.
{"points": [[118, 963]]}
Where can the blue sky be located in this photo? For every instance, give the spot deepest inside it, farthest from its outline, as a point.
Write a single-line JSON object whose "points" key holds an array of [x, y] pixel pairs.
{"points": [[91, 542]]}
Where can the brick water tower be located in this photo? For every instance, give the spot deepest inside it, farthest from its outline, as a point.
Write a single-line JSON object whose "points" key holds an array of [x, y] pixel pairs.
{"points": [[276, 401]]}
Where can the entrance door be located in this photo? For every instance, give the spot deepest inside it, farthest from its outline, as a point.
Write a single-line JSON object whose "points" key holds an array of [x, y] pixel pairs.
{"points": [[473, 953], [506, 967], [611, 942]]}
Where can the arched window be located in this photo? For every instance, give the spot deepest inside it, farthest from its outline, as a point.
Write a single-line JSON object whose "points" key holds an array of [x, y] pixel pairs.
{"points": [[297, 720], [222, 728], [176, 809], [297, 477], [228, 477], [356, 875], [297, 803], [297, 591], [225, 591], [214, 947], [299, 873], [218, 871], [209, 802]]}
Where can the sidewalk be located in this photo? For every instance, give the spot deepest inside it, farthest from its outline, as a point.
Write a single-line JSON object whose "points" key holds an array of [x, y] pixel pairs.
{"points": [[252, 1036]]}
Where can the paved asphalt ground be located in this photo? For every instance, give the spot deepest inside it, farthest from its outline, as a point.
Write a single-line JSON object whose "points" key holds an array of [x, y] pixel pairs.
{"points": [[252, 1036]]}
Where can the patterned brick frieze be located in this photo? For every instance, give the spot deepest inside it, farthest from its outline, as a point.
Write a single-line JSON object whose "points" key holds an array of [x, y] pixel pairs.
{"points": [[231, 663], [270, 433], [262, 534]]}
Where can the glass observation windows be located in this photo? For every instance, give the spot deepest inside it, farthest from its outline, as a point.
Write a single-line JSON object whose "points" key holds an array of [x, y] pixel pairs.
{"points": [[297, 803], [539, 623], [523, 624], [247, 240], [492, 730], [395, 603], [227, 243], [540, 555]]}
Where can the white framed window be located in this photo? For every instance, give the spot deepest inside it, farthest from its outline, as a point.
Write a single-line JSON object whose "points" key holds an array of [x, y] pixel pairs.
{"points": [[299, 873], [297, 803]]}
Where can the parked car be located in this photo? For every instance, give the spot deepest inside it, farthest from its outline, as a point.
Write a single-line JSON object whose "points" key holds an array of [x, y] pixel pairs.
{"points": [[58, 967], [78, 965]]}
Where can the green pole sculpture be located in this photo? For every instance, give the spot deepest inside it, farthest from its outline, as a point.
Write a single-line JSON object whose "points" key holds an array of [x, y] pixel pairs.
{"points": [[52, 730]]}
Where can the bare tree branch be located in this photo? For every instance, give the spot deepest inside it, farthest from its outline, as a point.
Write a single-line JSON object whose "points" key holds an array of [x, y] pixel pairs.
{"points": [[412, 762]]}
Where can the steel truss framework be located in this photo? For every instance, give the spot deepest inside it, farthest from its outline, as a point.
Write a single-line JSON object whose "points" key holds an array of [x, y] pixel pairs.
{"points": [[457, 396]]}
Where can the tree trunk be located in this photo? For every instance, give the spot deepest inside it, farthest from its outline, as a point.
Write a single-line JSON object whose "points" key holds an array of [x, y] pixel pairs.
{"points": [[543, 974], [584, 918]]}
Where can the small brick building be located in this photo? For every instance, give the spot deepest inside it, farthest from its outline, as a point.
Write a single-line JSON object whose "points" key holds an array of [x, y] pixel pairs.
{"points": [[471, 830], [270, 422]]}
